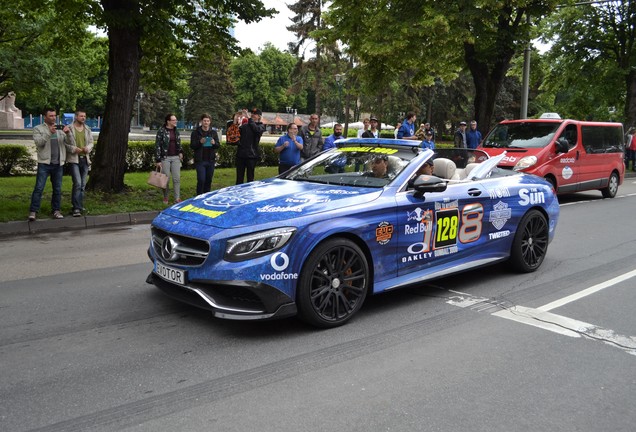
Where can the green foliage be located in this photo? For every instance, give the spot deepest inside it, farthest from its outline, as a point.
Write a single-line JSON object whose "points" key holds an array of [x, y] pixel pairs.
{"points": [[211, 89], [15, 159], [592, 61]]}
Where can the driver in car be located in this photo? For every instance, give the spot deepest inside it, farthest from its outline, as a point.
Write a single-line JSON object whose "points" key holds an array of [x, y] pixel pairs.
{"points": [[379, 167]]}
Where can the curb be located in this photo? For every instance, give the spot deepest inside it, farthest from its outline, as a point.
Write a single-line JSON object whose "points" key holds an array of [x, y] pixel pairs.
{"points": [[16, 228]]}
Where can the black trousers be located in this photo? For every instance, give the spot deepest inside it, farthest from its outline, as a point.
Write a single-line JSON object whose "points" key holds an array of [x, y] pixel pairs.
{"points": [[242, 165]]}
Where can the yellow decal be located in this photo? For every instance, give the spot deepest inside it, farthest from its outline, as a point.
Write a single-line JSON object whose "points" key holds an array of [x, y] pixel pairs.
{"points": [[380, 150], [209, 213]]}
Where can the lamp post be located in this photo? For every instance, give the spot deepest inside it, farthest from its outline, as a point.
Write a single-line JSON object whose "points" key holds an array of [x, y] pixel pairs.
{"points": [[183, 102], [292, 112], [339, 80], [140, 96]]}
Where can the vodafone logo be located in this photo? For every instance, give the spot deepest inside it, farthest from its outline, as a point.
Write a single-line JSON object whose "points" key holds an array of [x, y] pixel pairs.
{"points": [[279, 261]]}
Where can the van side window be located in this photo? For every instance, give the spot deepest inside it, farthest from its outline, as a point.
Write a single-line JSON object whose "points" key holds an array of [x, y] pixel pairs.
{"points": [[569, 133], [601, 139]]}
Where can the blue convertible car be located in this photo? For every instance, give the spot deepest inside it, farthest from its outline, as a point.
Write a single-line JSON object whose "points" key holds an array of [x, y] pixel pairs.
{"points": [[359, 219]]}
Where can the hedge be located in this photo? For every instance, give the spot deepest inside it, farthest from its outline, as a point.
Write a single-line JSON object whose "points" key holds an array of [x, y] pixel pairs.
{"points": [[141, 156], [15, 159]]}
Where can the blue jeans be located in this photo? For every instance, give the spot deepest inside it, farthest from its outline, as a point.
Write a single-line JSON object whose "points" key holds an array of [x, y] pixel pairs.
{"points": [[79, 174], [44, 171], [205, 172]]}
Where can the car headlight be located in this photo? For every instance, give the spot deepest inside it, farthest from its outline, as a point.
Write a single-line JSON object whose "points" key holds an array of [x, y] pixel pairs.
{"points": [[253, 245], [525, 162]]}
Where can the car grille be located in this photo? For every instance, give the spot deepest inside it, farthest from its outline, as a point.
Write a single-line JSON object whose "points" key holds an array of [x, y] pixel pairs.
{"points": [[178, 249]]}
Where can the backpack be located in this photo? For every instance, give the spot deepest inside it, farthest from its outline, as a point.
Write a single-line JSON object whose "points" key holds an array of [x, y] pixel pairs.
{"points": [[233, 134]]}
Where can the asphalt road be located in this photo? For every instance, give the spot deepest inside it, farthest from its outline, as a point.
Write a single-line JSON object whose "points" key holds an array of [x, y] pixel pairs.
{"points": [[87, 345]]}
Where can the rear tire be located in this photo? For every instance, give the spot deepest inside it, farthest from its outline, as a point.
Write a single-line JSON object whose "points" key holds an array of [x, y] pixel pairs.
{"points": [[530, 244], [612, 187], [333, 283]]}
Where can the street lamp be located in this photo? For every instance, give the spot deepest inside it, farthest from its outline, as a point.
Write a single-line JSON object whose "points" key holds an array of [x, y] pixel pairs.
{"points": [[339, 80], [139, 97], [292, 111], [184, 102]]}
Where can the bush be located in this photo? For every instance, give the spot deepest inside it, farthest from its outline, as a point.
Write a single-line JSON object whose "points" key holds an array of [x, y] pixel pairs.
{"points": [[15, 159], [141, 156]]}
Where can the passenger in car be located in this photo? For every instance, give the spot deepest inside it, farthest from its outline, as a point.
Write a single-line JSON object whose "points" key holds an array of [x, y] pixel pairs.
{"points": [[379, 167]]}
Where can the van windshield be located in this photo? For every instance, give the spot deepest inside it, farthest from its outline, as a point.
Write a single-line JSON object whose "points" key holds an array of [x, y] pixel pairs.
{"points": [[521, 135]]}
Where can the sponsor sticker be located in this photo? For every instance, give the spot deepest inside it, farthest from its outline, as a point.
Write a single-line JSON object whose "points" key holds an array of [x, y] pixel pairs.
{"points": [[500, 215], [567, 172], [532, 196], [384, 233], [205, 212]]}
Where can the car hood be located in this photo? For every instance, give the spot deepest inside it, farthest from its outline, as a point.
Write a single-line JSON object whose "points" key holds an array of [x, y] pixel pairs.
{"points": [[269, 200]]}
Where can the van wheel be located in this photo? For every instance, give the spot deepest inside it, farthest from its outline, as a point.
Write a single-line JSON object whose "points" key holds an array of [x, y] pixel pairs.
{"points": [[612, 187], [552, 181]]}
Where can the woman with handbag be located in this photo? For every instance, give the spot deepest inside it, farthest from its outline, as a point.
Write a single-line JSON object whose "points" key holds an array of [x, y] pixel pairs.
{"points": [[169, 155], [204, 142]]}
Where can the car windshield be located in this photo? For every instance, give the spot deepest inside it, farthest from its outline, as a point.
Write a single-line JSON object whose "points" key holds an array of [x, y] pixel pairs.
{"points": [[521, 135], [358, 165]]}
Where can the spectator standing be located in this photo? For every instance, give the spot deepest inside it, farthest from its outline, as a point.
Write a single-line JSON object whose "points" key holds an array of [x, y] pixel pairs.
{"points": [[407, 129], [52, 145], [204, 142], [365, 127], [632, 152], [473, 136], [421, 132], [428, 142], [331, 139], [373, 131], [249, 152], [169, 155], [288, 148], [312, 137], [428, 128], [232, 131], [79, 162], [460, 135]]}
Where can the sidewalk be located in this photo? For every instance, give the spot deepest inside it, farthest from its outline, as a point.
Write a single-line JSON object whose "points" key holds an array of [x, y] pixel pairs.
{"points": [[17, 228]]}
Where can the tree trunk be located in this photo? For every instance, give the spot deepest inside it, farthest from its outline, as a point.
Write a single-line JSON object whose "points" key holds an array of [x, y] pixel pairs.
{"points": [[487, 84], [109, 165]]}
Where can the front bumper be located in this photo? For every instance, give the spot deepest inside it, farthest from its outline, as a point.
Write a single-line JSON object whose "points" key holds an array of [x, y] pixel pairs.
{"points": [[237, 300]]}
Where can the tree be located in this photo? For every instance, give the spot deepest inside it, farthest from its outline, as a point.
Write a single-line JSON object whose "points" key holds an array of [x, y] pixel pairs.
{"points": [[46, 57], [211, 89], [307, 19], [146, 30], [593, 60]]}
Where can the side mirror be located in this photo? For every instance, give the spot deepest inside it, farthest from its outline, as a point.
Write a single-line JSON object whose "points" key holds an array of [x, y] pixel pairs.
{"points": [[424, 183], [562, 145]]}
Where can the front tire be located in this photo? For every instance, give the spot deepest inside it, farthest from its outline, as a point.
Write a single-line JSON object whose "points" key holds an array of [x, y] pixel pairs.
{"points": [[612, 187], [333, 283], [530, 244]]}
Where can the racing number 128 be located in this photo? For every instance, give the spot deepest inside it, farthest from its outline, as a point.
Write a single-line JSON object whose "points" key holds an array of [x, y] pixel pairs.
{"points": [[447, 223]]}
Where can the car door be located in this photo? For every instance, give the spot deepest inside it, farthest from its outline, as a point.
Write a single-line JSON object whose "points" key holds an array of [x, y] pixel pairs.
{"points": [[440, 229]]}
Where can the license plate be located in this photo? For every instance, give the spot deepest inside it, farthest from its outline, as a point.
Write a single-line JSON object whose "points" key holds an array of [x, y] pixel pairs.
{"points": [[170, 274]]}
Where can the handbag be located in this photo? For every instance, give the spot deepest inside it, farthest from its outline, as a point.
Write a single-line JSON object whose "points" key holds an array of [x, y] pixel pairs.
{"points": [[158, 179]]}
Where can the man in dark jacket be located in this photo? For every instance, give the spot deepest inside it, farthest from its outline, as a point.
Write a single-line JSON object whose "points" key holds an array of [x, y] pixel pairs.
{"points": [[248, 152], [204, 142], [312, 137]]}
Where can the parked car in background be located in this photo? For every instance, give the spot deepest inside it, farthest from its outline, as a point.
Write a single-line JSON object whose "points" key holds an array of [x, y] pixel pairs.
{"points": [[357, 220], [572, 155]]}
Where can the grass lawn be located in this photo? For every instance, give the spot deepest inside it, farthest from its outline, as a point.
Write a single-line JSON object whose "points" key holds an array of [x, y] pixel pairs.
{"points": [[15, 194]]}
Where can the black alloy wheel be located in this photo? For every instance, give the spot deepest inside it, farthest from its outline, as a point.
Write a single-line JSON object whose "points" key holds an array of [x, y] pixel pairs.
{"points": [[530, 244], [333, 283]]}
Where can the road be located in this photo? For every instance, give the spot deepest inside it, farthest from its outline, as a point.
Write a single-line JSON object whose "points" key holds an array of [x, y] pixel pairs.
{"points": [[87, 345]]}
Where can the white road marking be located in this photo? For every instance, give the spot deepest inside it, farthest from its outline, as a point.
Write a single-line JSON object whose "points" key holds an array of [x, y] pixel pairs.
{"points": [[543, 319], [586, 292]]}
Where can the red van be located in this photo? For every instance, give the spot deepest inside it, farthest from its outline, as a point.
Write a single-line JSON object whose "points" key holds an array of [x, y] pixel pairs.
{"points": [[572, 155]]}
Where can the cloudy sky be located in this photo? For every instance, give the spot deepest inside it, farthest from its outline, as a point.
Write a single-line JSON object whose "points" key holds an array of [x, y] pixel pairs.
{"points": [[272, 30]]}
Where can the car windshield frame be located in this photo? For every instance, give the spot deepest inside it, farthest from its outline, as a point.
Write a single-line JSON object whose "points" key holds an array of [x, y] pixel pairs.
{"points": [[521, 135], [351, 164]]}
